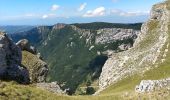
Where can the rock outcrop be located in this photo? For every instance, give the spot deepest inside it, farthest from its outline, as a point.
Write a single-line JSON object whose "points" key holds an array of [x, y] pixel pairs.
{"points": [[109, 35], [38, 69], [10, 61], [58, 26], [25, 45], [152, 85], [149, 50], [52, 87]]}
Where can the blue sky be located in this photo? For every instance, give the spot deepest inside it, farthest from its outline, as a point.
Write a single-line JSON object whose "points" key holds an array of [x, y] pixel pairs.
{"points": [[48, 12]]}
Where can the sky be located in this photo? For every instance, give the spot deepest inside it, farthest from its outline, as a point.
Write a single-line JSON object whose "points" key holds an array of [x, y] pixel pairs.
{"points": [[49, 12]]}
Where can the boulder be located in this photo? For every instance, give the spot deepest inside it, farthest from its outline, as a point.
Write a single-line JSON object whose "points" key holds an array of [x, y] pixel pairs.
{"points": [[10, 61], [52, 87], [25, 45], [152, 85]]}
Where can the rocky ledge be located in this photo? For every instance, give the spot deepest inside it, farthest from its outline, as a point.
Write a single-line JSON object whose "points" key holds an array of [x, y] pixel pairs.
{"points": [[152, 85]]}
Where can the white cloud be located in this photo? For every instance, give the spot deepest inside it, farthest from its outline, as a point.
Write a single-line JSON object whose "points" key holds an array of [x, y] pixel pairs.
{"points": [[82, 6], [100, 11], [55, 7], [129, 13], [45, 16]]}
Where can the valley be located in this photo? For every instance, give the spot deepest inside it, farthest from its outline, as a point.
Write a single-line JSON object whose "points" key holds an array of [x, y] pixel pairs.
{"points": [[88, 61], [75, 56]]}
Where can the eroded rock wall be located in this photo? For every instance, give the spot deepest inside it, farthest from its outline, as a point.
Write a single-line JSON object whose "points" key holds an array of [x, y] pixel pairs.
{"points": [[10, 61]]}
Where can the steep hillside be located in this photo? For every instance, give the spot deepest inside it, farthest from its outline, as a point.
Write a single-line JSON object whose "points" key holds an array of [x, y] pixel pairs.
{"points": [[34, 35], [76, 53], [149, 58]]}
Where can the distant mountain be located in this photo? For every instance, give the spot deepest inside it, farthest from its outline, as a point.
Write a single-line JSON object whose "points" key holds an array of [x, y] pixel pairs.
{"points": [[15, 29], [76, 53], [34, 35]]}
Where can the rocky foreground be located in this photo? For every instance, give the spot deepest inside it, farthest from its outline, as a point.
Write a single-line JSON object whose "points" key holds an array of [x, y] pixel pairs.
{"points": [[10, 61], [20, 62]]}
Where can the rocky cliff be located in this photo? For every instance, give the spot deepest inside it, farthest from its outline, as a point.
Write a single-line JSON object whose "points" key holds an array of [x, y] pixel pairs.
{"points": [[150, 49], [20, 62], [107, 35], [10, 61]]}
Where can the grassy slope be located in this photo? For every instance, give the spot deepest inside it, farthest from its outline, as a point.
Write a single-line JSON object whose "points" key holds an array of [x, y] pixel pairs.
{"points": [[11, 90]]}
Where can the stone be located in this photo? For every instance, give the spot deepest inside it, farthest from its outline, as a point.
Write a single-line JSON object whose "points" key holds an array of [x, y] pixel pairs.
{"points": [[52, 87], [124, 47], [25, 45], [10, 61], [152, 85]]}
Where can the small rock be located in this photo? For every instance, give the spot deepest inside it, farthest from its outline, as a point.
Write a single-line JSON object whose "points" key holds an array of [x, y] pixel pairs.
{"points": [[152, 85], [52, 87], [25, 45]]}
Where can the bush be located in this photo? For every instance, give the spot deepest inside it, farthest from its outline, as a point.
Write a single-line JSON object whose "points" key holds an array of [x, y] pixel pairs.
{"points": [[90, 90]]}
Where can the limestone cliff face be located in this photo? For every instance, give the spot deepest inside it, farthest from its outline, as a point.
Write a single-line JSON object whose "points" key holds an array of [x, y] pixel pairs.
{"points": [[149, 50], [10, 61], [107, 35]]}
